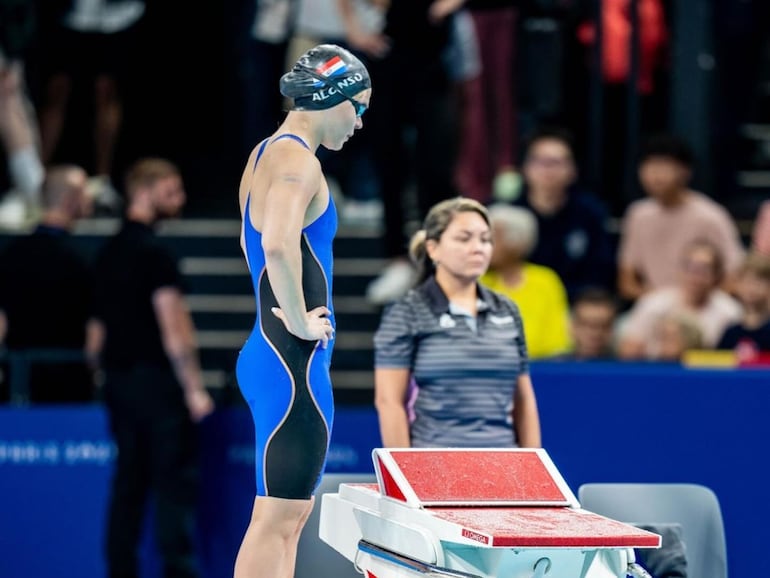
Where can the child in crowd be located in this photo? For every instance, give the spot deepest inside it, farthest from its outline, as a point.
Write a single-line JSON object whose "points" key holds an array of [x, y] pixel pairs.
{"points": [[751, 334]]}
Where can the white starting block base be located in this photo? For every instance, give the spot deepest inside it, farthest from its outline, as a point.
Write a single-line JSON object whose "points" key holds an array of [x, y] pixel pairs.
{"points": [[474, 514], [375, 562]]}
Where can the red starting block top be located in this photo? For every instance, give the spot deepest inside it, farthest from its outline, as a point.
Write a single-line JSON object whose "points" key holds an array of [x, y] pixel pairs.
{"points": [[511, 526], [464, 477], [545, 528]]}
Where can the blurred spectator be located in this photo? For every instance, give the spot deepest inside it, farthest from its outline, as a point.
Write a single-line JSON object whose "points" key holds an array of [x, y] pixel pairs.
{"points": [[760, 238], [355, 23], [263, 64], [89, 44], [153, 383], [752, 334], [616, 40], [363, 23], [549, 66], [537, 290], [486, 165], [656, 230], [352, 168], [45, 290], [18, 126], [701, 270], [415, 109], [676, 333], [616, 69], [592, 325], [572, 237], [462, 344]]}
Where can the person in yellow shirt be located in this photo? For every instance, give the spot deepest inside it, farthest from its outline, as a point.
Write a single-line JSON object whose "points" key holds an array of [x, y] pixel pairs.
{"points": [[537, 290]]}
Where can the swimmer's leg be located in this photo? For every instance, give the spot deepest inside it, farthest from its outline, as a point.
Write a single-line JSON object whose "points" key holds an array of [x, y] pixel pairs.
{"points": [[269, 548]]}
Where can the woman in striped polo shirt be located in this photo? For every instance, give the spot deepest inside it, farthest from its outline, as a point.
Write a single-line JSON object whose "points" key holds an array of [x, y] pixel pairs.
{"points": [[453, 347]]}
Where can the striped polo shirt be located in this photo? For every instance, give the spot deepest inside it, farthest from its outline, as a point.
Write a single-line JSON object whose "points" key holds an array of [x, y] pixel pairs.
{"points": [[465, 368]]}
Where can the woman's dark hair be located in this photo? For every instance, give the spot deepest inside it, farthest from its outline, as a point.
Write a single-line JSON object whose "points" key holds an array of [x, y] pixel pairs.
{"points": [[434, 225], [556, 133], [596, 296]]}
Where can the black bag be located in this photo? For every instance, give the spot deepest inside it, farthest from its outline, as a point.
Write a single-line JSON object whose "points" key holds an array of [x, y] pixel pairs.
{"points": [[668, 561]]}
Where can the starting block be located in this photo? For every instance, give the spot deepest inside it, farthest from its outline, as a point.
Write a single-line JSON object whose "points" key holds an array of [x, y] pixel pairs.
{"points": [[474, 513]]}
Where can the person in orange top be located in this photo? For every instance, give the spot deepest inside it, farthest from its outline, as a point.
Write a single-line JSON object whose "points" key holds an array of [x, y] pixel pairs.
{"points": [[616, 36], [616, 67]]}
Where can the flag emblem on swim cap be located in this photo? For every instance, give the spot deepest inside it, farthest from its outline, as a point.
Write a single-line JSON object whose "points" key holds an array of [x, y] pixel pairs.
{"points": [[331, 68], [323, 77]]}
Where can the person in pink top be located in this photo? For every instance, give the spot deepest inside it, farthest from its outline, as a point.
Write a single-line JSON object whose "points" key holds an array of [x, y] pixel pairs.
{"points": [[656, 229], [697, 294]]}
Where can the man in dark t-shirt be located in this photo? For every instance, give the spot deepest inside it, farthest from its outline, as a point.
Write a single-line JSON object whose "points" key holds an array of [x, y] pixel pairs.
{"points": [[153, 384], [572, 239], [45, 294]]}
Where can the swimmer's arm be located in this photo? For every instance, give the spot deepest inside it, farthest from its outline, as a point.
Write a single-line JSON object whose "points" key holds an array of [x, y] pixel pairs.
{"points": [[294, 184], [526, 419], [390, 390]]}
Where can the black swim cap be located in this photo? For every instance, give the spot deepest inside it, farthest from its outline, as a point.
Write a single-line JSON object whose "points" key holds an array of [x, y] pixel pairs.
{"points": [[323, 77]]}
